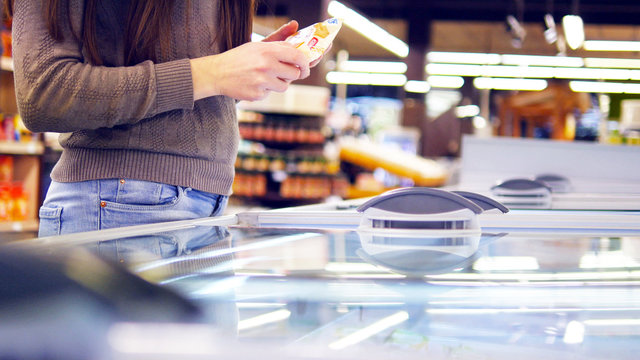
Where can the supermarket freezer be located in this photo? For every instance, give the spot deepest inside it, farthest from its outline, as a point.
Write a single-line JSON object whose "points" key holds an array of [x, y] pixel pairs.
{"points": [[415, 273], [439, 287]]}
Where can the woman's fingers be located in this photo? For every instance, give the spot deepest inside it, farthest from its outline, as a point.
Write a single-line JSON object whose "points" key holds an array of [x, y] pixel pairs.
{"points": [[283, 32]]}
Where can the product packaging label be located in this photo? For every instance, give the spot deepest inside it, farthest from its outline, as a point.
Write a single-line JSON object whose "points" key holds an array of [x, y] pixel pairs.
{"points": [[314, 40]]}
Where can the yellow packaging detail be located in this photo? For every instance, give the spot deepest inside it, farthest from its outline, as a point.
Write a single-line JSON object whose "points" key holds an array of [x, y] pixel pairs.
{"points": [[314, 40]]}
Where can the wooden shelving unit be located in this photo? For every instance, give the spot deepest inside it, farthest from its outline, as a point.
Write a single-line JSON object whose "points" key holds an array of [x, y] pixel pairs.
{"points": [[27, 161]]}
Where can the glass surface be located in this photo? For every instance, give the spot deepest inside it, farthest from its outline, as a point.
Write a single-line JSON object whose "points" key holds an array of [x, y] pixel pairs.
{"points": [[343, 294]]}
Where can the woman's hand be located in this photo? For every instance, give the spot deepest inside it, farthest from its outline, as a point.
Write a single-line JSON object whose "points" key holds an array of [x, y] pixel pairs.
{"points": [[287, 30], [249, 71]]}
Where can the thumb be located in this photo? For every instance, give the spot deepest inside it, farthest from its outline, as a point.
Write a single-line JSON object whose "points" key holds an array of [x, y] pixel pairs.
{"points": [[283, 32]]}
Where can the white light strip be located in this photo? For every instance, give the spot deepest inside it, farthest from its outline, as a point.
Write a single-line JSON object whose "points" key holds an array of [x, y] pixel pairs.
{"points": [[454, 69], [612, 63], [467, 111], [505, 59], [605, 45], [368, 29], [418, 87], [604, 87], [593, 73], [539, 60], [353, 78], [447, 82], [381, 67], [510, 84], [264, 319], [492, 70], [370, 330], [463, 58], [573, 30], [539, 72]]}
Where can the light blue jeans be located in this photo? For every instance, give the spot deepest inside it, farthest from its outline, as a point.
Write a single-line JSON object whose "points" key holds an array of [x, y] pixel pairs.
{"points": [[111, 203]]}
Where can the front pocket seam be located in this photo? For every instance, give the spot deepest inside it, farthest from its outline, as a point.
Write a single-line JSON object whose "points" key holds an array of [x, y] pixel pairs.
{"points": [[49, 212], [134, 207]]}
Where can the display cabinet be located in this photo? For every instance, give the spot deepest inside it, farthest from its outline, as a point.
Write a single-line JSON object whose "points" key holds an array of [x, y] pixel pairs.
{"points": [[283, 160]]}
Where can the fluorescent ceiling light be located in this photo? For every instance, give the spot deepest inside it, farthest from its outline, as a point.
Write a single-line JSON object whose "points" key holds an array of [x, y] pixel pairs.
{"points": [[593, 73], [479, 122], [353, 78], [491, 70], [540, 60], [467, 111], [573, 30], [604, 87], [454, 69], [463, 58], [510, 84], [612, 63], [518, 71], [447, 82], [368, 29], [539, 72], [604, 45], [369, 331], [415, 86], [384, 67], [256, 37]]}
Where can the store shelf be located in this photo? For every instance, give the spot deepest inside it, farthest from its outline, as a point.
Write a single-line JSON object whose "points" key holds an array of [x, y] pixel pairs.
{"points": [[19, 226], [297, 100], [21, 148], [6, 63]]}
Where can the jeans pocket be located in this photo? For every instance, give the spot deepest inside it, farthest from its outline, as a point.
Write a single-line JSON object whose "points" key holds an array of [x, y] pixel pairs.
{"points": [[50, 221], [156, 197]]}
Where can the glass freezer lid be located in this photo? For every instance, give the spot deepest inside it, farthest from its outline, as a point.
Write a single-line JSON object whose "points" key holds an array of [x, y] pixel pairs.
{"points": [[336, 291], [305, 293]]}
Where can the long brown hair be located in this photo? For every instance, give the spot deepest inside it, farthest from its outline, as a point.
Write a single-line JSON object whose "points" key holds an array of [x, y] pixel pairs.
{"points": [[148, 25]]}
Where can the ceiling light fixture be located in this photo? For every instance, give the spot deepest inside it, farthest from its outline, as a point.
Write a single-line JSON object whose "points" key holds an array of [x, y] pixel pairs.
{"points": [[604, 87], [463, 58], [355, 78], [550, 34], [518, 32], [446, 82], [510, 84], [573, 30], [368, 29], [612, 63], [540, 60], [380, 67], [604, 45], [416, 86]]}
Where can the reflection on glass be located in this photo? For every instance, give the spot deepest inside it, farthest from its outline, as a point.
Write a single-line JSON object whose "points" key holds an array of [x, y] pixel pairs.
{"points": [[417, 256]]}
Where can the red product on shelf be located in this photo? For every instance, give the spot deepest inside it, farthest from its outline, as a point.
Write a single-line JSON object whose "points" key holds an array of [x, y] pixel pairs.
{"points": [[18, 208], [6, 168]]}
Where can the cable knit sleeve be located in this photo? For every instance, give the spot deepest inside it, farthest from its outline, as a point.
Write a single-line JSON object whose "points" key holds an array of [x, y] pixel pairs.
{"points": [[57, 90]]}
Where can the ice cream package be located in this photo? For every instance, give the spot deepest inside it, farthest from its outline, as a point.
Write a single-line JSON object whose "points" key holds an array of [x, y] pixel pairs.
{"points": [[314, 40]]}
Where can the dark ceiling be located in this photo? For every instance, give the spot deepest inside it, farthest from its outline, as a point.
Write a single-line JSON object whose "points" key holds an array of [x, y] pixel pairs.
{"points": [[624, 12]]}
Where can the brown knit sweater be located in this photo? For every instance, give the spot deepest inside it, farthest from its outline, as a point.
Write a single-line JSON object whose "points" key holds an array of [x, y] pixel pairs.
{"points": [[138, 122]]}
